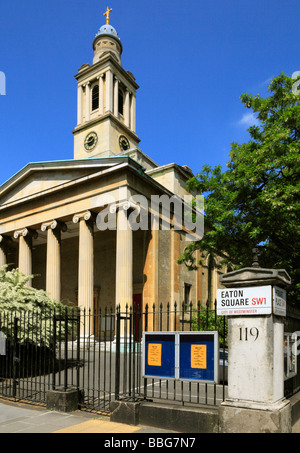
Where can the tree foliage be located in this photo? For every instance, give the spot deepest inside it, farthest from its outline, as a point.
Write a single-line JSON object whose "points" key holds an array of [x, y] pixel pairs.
{"points": [[255, 202], [206, 320]]}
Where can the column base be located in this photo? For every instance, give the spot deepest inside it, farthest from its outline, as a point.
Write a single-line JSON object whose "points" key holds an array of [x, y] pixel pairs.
{"points": [[85, 342], [251, 417], [126, 343]]}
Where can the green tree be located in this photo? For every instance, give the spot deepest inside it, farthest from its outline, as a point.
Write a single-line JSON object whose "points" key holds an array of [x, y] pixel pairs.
{"points": [[256, 200], [203, 319]]}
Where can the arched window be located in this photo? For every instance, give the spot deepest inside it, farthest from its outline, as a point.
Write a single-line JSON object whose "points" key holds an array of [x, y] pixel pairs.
{"points": [[121, 102], [95, 97]]}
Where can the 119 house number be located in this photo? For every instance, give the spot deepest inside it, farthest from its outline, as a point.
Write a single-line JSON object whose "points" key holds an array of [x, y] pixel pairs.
{"points": [[247, 334]]}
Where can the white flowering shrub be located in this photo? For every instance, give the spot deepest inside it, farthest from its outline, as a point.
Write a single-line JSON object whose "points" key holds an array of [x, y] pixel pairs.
{"points": [[32, 307]]}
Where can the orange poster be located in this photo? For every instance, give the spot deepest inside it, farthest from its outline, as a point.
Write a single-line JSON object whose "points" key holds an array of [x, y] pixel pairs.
{"points": [[154, 354], [198, 356]]}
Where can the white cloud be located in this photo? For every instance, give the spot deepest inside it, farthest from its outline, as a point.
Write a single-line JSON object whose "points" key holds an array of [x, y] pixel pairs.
{"points": [[248, 119]]}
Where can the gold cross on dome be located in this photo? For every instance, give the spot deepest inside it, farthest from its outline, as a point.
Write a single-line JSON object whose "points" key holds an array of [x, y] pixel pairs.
{"points": [[107, 15]]}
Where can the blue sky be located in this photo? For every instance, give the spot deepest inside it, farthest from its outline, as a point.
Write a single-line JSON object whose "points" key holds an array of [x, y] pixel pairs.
{"points": [[192, 60]]}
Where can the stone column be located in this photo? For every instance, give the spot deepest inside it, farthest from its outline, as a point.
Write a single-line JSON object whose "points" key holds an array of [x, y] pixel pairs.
{"points": [[124, 260], [25, 237], [87, 101], [133, 112], [116, 97], [255, 402], [86, 260], [53, 263], [109, 91], [127, 109], [79, 105]]}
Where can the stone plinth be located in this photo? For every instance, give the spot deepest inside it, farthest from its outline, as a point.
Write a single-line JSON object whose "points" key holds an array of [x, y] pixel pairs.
{"points": [[63, 400], [250, 418], [255, 402]]}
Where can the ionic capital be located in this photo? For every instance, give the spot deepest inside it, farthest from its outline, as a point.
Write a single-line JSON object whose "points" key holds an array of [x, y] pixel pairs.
{"points": [[125, 206], [85, 215], [26, 232], [54, 225]]}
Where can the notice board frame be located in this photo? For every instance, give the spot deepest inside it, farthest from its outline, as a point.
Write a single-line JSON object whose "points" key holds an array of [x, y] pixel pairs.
{"points": [[181, 362], [161, 372]]}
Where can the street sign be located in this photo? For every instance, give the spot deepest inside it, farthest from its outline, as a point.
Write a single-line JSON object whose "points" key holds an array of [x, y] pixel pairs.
{"points": [[279, 301], [254, 300]]}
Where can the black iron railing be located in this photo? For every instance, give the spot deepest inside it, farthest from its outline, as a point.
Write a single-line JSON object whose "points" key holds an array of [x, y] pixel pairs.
{"points": [[100, 354], [164, 319]]}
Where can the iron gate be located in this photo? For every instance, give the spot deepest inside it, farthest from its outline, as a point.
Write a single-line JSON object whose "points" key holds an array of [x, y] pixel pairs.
{"points": [[100, 355]]}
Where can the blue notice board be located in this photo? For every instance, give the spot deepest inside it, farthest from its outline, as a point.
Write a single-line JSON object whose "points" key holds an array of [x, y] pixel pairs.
{"points": [[181, 355], [159, 354], [198, 356]]}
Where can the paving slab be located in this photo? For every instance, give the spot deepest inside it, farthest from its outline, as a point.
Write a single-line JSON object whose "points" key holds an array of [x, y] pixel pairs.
{"points": [[21, 418], [99, 426]]}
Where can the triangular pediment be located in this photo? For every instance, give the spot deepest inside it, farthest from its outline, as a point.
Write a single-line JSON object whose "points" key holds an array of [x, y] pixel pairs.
{"points": [[38, 178]]}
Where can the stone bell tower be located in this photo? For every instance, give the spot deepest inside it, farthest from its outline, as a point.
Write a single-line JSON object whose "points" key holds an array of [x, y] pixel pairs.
{"points": [[106, 104]]}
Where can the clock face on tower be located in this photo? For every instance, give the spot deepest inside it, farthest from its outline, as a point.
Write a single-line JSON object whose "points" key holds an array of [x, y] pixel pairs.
{"points": [[124, 143], [90, 141]]}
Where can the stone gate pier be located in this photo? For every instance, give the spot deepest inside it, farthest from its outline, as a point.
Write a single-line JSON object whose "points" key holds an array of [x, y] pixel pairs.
{"points": [[254, 300]]}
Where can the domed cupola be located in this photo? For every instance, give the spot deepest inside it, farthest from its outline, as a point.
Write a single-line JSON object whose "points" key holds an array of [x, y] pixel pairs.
{"points": [[107, 41]]}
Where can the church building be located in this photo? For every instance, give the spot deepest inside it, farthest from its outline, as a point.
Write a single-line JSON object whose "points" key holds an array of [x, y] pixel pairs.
{"points": [[50, 211]]}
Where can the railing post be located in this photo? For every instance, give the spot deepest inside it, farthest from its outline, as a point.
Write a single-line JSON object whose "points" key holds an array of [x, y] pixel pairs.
{"points": [[15, 358], [131, 336], [66, 351], [54, 350], [134, 325], [78, 348], [118, 342], [146, 330], [207, 313], [198, 314]]}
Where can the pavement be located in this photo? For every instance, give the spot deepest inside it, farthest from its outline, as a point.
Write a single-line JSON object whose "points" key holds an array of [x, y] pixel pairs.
{"points": [[23, 418]]}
